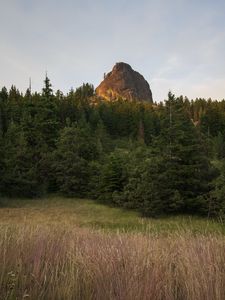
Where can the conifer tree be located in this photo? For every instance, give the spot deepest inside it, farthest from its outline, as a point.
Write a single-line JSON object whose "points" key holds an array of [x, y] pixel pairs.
{"points": [[176, 177], [216, 200], [75, 149], [219, 146], [46, 118], [20, 177], [47, 91], [187, 168], [113, 177], [2, 165]]}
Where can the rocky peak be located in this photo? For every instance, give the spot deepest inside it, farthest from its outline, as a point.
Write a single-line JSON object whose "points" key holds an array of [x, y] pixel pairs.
{"points": [[121, 66], [124, 82]]}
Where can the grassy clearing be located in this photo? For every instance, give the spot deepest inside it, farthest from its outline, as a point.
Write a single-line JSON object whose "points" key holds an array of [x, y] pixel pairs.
{"points": [[88, 213], [50, 249]]}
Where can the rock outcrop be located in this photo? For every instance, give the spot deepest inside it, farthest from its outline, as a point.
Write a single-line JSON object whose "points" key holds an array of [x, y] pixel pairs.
{"points": [[124, 82]]}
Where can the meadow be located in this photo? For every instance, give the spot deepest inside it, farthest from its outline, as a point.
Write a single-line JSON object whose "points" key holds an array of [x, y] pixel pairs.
{"points": [[61, 248]]}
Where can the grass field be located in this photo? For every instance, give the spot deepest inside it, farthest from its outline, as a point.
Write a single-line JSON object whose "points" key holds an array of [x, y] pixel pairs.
{"points": [[89, 214], [58, 248]]}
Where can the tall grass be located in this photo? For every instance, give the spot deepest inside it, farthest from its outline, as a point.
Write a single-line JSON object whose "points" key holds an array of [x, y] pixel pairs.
{"points": [[85, 213], [55, 262]]}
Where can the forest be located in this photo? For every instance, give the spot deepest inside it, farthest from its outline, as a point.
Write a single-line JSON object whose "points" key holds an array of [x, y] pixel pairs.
{"points": [[160, 159]]}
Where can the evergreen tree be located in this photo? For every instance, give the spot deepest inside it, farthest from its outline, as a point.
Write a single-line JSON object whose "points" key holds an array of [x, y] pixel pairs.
{"points": [[154, 158], [176, 177], [2, 165], [149, 191], [3, 110], [47, 91], [113, 176], [20, 177], [46, 119], [219, 146], [216, 201], [188, 170], [75, 149]]}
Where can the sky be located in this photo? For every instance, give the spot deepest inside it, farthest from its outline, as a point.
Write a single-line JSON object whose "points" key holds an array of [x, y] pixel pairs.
{"points": [[177, 45]]}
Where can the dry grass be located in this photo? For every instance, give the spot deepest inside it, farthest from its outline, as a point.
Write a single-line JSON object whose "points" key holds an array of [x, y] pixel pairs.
{"points": [[50, 260], [53, 263]]}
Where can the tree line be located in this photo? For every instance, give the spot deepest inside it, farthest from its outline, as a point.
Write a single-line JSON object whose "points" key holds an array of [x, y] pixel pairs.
{"points": [[164, 158]]}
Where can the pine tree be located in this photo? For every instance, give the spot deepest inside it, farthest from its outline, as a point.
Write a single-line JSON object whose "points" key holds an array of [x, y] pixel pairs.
{"points": [[216, 201], [187, 168], [75, 149], [3, 110], [46, 119], [2, 165], [47, 91], [219, 146], [20, 177], [113, 176], [176, 176]]}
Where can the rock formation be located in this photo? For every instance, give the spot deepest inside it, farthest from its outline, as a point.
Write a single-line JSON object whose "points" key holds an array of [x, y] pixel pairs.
{"points": [[124, 82]]}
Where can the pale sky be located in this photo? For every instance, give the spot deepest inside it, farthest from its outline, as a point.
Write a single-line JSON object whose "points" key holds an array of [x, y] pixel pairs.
{"points": [[177, 45]]}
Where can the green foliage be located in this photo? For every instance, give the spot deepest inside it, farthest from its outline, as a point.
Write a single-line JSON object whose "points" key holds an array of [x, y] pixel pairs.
{"points": [[3, 111], [2, 162], [216, 201], [47, 91], [154, 158], [84, 92], [219, 146], [113, 175], [178, 180], [213, 121], [20, 176], [187, 166], [75, 149]]}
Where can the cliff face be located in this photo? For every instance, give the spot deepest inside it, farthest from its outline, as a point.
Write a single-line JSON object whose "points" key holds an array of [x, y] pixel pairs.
{"points": [[124, 82]]}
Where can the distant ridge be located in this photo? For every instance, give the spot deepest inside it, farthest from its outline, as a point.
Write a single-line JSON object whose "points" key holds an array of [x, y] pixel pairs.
{"points": [[124, 82]]}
